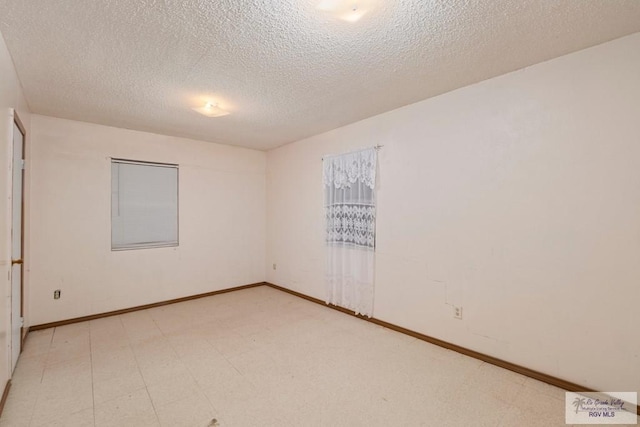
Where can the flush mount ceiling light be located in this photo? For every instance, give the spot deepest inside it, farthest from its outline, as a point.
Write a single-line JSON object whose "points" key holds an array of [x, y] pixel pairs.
{"points": [[211, 109], [350, 11]]}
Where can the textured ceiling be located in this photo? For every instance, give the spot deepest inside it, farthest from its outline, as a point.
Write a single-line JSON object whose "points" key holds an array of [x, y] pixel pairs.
{"points": [[284, 69]]}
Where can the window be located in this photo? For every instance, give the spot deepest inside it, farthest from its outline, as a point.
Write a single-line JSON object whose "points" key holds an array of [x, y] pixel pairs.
{"points": [[350, 207], [144, 205]]}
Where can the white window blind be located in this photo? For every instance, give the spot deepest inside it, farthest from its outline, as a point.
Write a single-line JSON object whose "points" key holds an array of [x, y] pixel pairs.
{"points": [[144, 204]]}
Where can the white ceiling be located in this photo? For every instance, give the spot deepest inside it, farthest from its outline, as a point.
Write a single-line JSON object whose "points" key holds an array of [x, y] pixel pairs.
{"points": [[284, 69]]}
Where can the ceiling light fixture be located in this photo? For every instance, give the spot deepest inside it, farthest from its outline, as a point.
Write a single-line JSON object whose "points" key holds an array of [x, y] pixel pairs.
{"points": [[211, 109], [354, 15], [349, 11]]}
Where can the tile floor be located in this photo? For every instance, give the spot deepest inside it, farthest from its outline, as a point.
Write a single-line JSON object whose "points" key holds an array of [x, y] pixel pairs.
{"points": [[260, 357]]}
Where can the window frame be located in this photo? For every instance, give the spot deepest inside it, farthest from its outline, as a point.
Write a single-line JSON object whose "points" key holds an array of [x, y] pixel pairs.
{"points": [[137, 246]]}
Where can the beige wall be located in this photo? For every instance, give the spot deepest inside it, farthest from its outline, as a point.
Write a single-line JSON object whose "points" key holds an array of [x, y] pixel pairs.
{"points": [[11, 98], [517, 198], [222, 220]]}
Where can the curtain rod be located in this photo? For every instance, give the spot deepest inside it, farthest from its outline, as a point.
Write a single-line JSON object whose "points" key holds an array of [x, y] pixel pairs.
{"points": [[375, 147]]}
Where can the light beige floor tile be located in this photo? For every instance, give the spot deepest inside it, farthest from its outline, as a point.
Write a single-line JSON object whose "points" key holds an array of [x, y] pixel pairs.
{"points": [[535, 408], [254, 363], [153, 350], [252, 325], [37, 343], [109, 363], [149, 420], [18, 409], [55, 402], [240, 403], [519, 417], [68, 350], [22, 422], [231, 392], [82, 418], [258, 414], [108, 342], [190, 344], [68, 373], [72, 332], [497, 382], [137, 319], [162, 370], [126, 409], [211, 371], [544, 388], [29, 369], [110, 388], [110, 334], [108, 323], [469, 405], [214, 331], [176, 388], [232, 344], [261, 357], [140, 328], [193, 410], [358, 410], [169, 322]]}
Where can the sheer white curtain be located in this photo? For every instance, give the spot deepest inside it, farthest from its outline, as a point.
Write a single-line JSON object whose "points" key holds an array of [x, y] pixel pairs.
{"points": [[349, 189]]}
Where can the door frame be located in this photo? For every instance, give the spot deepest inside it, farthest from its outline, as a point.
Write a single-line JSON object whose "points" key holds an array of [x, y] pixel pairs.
{"points": [[23, 131]]}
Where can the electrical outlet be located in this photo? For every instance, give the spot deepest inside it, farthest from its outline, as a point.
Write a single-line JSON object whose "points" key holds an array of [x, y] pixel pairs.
{"points": [[457, 313], [56, 294], [274, 265]]}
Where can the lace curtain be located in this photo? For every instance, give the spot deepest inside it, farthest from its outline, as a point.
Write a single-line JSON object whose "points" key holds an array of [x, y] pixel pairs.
{"points": [[350, 209]]}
